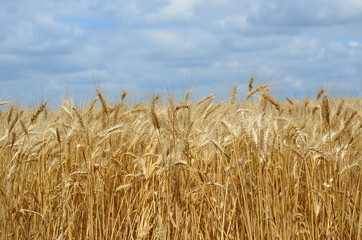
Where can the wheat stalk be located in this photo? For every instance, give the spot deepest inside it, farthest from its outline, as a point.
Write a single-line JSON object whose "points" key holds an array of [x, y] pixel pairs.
{"points": [[155, 120], [325, 110], [103, 101], [10, 114], [124, 94], [172, 102], [23, 127], [182, 106], [255, 90], [37, 113], [80, 119], [338, 112], [315, 109], [58, 136], [267, 97], [289, 101], [207, 98], [12, 123], [186, 97], [250, 86], [210, 109], [306, 102], [233, 95], [320, 94], [215, 175]]}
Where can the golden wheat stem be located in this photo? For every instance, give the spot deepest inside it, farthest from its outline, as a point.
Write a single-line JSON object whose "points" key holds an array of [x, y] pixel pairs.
{"points": [[24, 127], [255, 90], [10, 114], [103, 101], [37, 113], [124, 94], [187, 96], [250, 86], [12, 124], [201, 101], [325, 110], [155, 120], [233, 95], [267, 97], [320, 94], [289, 101], [80, 119]]}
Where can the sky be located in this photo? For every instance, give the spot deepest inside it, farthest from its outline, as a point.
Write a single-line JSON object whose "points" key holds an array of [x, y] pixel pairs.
{"points": [[51, 49]]}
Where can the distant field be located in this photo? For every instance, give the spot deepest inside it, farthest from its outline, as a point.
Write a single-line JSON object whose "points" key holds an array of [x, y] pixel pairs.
{"points": [[255, 169]]}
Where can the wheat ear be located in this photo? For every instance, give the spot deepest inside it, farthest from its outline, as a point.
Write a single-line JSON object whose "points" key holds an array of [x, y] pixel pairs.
{"points": [[289, 101], [10, 114], [267, 97], [187, 96], [325, 110], [233, 95], [320, 94], [255, 90], [104, 103], [155, 120], [80, 119], [250, 86], [124, 94], [37, 113], [201, 101]]}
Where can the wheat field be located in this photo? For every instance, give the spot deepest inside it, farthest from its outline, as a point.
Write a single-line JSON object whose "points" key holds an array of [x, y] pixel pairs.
{"points": [[258, 168]]}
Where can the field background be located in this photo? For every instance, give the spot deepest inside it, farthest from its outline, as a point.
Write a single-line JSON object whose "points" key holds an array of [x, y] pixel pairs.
{"points": [[252, 169]]}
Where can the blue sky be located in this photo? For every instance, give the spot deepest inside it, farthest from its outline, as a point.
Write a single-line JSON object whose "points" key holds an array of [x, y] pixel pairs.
{"points": [[49, 48]]}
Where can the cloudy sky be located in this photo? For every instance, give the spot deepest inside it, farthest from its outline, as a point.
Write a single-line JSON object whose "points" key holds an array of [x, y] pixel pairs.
{"points": [[50, 48]]}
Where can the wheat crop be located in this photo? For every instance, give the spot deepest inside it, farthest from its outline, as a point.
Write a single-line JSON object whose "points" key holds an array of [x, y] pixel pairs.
{"points": [[256, 169]]}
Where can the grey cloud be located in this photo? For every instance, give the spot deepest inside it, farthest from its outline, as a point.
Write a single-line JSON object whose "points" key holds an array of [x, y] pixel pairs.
{"points": [[141, 45], [175, 10], [182, 60], [305, 13]]}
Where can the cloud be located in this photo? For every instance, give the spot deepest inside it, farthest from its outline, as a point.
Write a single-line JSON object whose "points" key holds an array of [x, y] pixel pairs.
{"points": [[295, 82], [354, 44], [305, 13], [307, 48], [175, 10], [234, 23], [137, 45]]}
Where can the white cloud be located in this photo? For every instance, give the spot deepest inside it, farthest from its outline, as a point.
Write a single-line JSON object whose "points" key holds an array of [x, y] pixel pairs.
{"points": [[301, 47], [295, 82], [165, 38], [308, 13], [179, 40], [175, 10], [143, 44], [354, 44], [234, 23]]}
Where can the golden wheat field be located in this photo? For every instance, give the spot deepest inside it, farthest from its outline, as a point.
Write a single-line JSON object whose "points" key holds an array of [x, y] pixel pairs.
{"points": [[252, 169]]}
